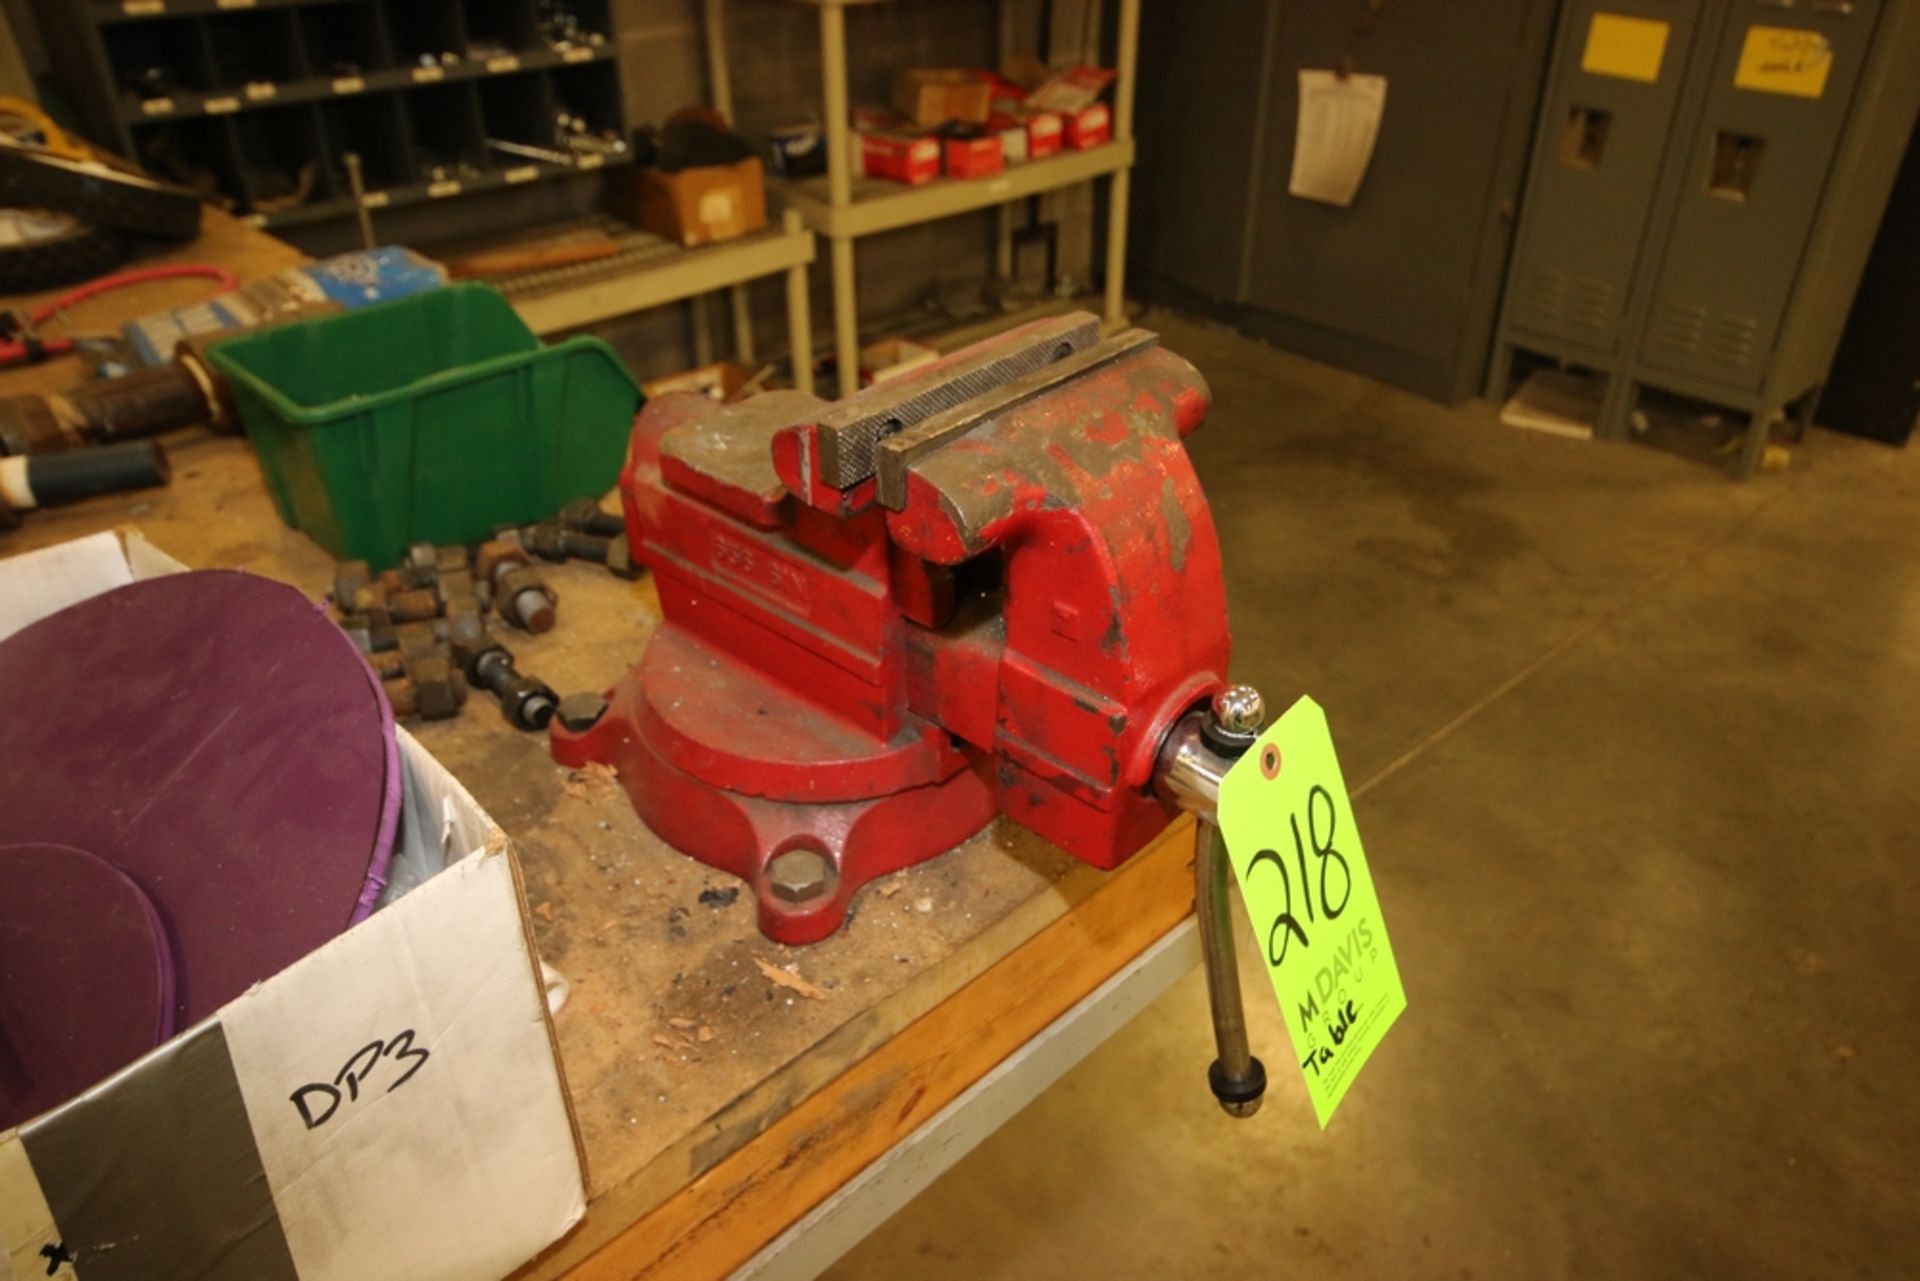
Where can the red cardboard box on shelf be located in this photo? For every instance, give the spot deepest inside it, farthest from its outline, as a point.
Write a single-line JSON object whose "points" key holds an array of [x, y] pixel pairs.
{"points": [[1044, 133], [974, 157], [900, 157], [1088, 127]]}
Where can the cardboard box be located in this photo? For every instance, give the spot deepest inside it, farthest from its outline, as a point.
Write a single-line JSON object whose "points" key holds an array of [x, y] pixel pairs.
{"points": [[973, 157], [724, 381], [1039, 133], [1088, 127], [700, 206], [1012, 133], [930, 96], [444, 1145], [891, 357], [1074, 89], [908, 158]]}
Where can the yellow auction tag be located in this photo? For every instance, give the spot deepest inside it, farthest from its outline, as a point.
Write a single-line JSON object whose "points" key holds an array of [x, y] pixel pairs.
{"points": [[1290, 835], [1789, 60]]}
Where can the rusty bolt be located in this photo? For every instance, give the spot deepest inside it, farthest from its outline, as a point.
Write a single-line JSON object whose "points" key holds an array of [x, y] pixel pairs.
{"points": [[585, 515], [495, 557], [424, 556], [551, 542], [452, 560], [579, 713], [523, 598], [799, 875], [388, 664]]}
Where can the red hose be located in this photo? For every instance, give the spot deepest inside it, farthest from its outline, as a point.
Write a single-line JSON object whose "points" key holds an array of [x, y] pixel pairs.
{"points": [[14, 352]]}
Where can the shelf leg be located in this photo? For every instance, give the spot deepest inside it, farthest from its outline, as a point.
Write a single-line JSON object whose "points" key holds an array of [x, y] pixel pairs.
{"points": [[1116, 312], [1128, 48], [833, 87], [742, 325], [800, 329], [846, 318], [719, 83], [702, 331], [1003, 243]]}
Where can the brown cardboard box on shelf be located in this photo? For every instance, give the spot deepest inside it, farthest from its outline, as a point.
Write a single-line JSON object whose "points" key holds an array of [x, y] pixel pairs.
{"points": [[723, 381], [891, 357], [931, 96], [701, 206]]}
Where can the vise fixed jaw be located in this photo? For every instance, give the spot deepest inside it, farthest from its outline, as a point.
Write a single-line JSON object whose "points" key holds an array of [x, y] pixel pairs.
{"points": [[989, 586]]}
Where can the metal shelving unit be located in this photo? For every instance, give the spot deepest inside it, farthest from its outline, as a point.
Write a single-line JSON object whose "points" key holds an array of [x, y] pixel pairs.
{"points": [[652, 272], [844, 208], [260, 100]]}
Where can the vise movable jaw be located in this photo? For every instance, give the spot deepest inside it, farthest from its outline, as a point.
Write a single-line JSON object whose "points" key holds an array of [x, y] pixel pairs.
{"points": [[989, 586]]}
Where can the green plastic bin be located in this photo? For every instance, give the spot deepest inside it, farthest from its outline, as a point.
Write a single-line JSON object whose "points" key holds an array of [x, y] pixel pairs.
{"points": [[434, 418]]}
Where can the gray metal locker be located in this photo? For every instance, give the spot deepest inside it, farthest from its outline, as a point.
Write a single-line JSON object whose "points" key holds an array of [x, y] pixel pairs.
{"points": [[1604, 128], [1758, 166], [1708, 241]]}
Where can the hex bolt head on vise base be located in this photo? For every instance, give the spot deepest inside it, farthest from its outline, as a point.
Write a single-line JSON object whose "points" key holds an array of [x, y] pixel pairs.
{"points": [[799, 875]]}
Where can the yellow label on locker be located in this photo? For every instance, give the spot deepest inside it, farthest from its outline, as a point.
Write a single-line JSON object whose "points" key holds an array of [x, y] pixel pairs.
{"points": [[1789, 60], [1630, 48]]}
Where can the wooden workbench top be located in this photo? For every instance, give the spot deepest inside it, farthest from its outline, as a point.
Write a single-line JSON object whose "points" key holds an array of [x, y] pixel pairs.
{"points": [[687, 1034]]}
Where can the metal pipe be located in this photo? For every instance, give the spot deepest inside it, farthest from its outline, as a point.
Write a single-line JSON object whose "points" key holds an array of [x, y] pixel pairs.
{"points": [[1194, 757], [1238, 1079], [357, 183]]}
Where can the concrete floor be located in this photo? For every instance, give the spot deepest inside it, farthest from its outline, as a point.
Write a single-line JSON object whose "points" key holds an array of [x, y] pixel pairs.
{"points": [[1640, 760]]}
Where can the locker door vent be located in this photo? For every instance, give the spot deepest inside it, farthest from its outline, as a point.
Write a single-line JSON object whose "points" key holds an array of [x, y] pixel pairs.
{"points": [[1585, 302], [1685, 333]]}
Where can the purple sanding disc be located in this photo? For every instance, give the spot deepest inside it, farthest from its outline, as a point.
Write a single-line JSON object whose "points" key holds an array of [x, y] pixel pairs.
{"points": [[86, 983], [216, 738]]}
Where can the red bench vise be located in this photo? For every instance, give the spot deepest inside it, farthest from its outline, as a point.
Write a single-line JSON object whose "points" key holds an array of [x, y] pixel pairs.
{"points": [[989, 586]]}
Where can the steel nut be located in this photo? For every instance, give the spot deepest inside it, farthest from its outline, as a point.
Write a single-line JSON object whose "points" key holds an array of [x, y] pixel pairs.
{"points": [[452, 560], [367, 598], [799, 876], [370, 635], [349, 576], [399, 692], [523, 598], [579, 713], [620, 562], [495, 556], [421, 638], [437, 691], [388, 665], [415, 605], [423, 556]]}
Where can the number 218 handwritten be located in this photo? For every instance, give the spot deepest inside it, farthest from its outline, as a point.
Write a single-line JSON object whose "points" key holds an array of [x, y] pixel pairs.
{"points": [[1286, 926]]}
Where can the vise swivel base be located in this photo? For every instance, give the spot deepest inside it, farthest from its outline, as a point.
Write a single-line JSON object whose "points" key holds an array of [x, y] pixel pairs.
{"points": [[989, 586]]}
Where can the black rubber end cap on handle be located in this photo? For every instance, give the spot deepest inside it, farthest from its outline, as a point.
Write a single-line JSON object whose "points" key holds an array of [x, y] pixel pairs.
{"points": [[1240, 1097]]}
